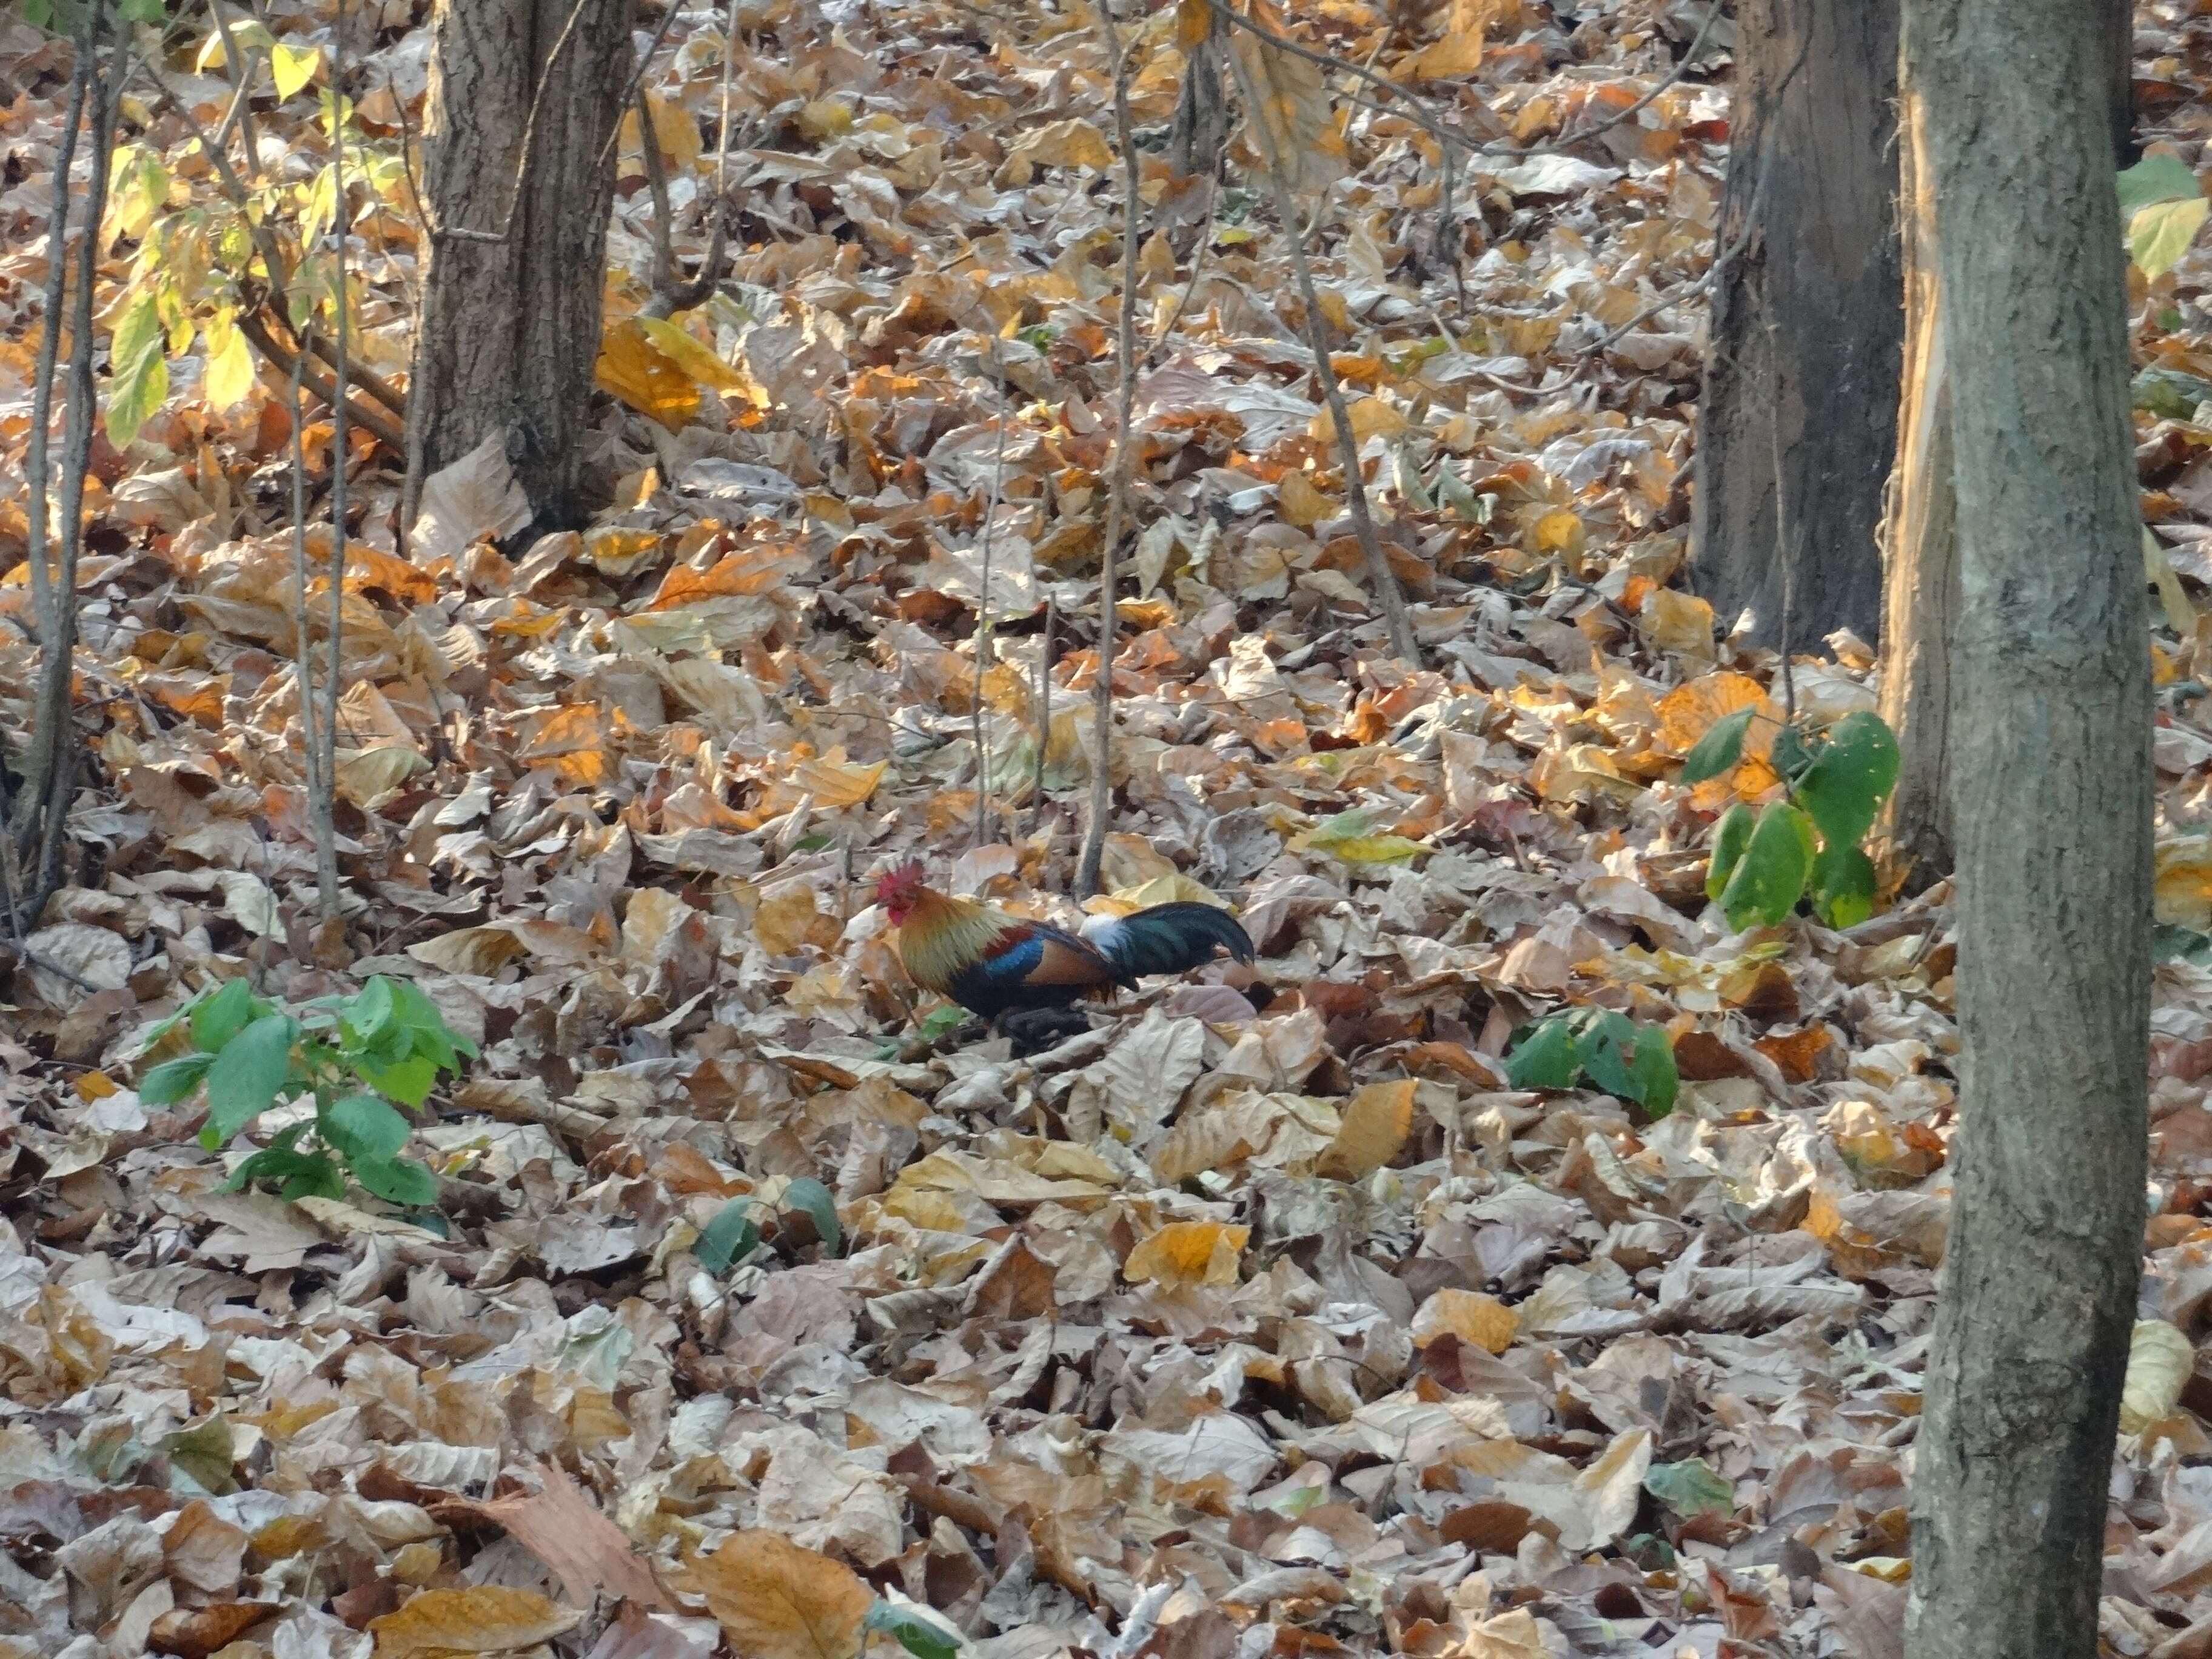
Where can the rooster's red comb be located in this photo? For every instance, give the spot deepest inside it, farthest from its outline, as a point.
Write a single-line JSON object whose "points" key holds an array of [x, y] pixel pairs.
{"points": [[901, 881]]}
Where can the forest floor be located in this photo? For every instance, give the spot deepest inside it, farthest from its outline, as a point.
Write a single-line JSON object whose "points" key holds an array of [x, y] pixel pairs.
{"points": [[1265, 1319]]}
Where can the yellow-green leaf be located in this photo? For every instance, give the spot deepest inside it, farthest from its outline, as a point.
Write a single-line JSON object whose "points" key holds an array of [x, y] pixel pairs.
{"points": [[228, 378], [294, 66], [2160, 233], [139, 383]]}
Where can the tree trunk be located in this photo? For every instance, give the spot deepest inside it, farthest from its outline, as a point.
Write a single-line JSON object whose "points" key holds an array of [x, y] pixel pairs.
{"points": [[1921, 561], [510, 328], [1805, 327], [2050, 707]]}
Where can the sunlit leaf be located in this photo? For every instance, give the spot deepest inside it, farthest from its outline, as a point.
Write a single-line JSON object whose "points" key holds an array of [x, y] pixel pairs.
{"points": [[1770, 877], [138, 381]]}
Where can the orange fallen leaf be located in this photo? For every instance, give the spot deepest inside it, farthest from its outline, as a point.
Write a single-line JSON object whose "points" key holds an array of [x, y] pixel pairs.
{"points": [[1188, 1253], [484, 1619], [776, 1600]]}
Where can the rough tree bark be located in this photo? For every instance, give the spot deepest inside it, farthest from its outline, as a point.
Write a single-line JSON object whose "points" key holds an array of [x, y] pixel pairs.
{"points": [[1920, 559], [2050, 710], [510, 328], [1805, 326]]}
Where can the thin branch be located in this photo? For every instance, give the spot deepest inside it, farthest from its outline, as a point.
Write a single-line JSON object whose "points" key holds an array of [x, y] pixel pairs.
{"points": [[45, 738], [669, 296], [636, 88], [1044, 715], [982, 734], [1380, 577], [1125, 444], [53, 710], [257, 334], [239, 117], [303, 655], [324, 809]]}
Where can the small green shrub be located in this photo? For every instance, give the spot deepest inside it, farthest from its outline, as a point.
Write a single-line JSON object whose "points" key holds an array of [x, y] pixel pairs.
{"points": [[1612, 1051], [354, 1056], [1809, 845]]}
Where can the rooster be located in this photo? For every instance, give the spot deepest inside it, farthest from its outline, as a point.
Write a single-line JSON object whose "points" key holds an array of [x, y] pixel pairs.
{"points": [[999, 965]]}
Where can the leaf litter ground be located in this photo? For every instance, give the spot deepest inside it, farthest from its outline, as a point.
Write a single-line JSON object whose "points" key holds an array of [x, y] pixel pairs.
{"points": [[1265, 1319]]}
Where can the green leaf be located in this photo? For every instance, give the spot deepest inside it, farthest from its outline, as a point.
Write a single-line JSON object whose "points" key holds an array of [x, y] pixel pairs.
{"points": [[922, 1637], [138, 374], [1791, 756], [374, 1011], [397, 1181], [364, 1127], [1691, 1488], [1770, 877], [2168, 943], [1546, 1060], [217, 1018], [729, 1238], [408, 1081], [173, 1080], [1657, 1080], [1845, 785], [205, 1454], [293, 67], [318, 1177], [2158, 235], [1602, 1052], [812, 1199], [1842, 886], [1730, 836], [941, 1022], [244, 1081], [2155, 178], [1720, 748]]}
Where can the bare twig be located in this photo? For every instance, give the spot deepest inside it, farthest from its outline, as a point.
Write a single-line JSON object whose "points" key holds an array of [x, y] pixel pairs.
{"points": [[636, 88], [1380, 577], [45, 735], [669, 296], [303, 655], [323, 808], [51, 788], [981, 733], [1118, 489], [387, 432], [1044, 716], [239, 117]]}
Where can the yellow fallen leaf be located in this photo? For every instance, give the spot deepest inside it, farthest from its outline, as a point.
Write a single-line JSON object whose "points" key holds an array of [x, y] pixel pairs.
{"points": [[776, 1600], [1299, 504], [1482, 1321], [675, 342], [837, 783], [484, 1619], [789, 920], [2182, 885], [1376, 1121], [1188, 1253], [1674, 621], [631, 367]]}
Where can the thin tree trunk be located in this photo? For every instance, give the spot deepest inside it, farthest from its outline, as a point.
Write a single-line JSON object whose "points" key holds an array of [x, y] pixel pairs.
{"points": [[2050, 711], [511, 301], [1919, 548], [1805, 326], [1919, 555]]}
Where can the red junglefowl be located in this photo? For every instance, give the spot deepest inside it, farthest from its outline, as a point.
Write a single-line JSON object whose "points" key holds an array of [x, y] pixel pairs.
{"points": [[999, 965]]}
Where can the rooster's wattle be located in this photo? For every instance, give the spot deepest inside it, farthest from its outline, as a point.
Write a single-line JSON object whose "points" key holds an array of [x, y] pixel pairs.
{"points": [[994, 964]]}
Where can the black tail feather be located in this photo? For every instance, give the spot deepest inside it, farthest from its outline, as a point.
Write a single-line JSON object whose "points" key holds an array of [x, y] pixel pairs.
{"points": [[1168, 939]]}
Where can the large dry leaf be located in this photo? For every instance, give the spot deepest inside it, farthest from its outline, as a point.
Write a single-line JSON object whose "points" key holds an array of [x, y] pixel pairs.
{"points": [[476, 499], [1295, 123], [776, 1600], [484, 1619], [587, 1552]]}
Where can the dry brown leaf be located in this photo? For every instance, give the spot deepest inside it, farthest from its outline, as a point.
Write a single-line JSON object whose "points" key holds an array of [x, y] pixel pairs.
{"points": [[1376, 1121], [1187, 1253], [776, 1600], [484, 1619]]}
